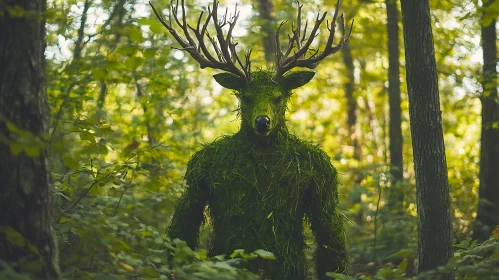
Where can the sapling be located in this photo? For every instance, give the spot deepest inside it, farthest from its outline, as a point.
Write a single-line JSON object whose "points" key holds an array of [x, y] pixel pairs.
{"points": [[263, 182]]}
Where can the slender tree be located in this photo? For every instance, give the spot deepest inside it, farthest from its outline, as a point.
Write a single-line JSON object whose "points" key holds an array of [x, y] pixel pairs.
{"points": [[432, 186], [267, 18], [26, 234], [396, 195], [488, 205], [349, 87]]}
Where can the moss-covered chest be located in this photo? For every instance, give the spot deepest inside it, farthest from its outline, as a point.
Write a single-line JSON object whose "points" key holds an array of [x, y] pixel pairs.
{"points": [[257, 195]]}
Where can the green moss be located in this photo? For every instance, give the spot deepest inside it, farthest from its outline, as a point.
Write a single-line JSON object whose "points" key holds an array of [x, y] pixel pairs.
{"points": [[260, 189]]}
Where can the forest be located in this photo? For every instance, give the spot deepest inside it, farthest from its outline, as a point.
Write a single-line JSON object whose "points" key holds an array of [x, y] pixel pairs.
{"points": [[103, 108]]}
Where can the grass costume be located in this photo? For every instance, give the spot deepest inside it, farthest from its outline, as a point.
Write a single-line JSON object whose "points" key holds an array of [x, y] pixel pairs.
{"points": [[261, 183]]}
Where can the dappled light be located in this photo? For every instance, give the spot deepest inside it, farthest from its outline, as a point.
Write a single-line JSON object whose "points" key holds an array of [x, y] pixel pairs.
{"points": [[305, 155]]}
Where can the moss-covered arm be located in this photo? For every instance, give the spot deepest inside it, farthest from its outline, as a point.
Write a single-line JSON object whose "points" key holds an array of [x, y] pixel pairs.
{"points": [[326, 221], [189, 213]]}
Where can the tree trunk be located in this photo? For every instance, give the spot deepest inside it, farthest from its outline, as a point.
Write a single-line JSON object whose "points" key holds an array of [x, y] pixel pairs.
{"points": [[349, 87], [25, 198], [432, 186], [396, 194], [488, 195], [267, 18]]}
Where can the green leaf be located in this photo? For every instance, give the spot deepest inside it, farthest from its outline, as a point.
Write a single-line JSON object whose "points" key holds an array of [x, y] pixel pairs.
{"points": [[16, 11], [133, 63], [149, 53], [402, 254], [13, 236], [464, 244], [16, 130], [144, 234], [33, 249], [134, 33], [265, 254], [150, 272], [490, 13], [15, 148], [85, 135], [156, 27], [402, 265], [101, 149], [99, 74], [104, 130], [236, 253], [70, 161], [32, 151], [89, 149], [158, 240], [223, 266]]}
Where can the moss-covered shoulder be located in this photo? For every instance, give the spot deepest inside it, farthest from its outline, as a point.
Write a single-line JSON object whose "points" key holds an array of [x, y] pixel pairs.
{"points": [[203, 160], [321, 162]]}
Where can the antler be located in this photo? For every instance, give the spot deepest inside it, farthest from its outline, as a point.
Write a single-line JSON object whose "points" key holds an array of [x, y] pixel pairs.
{"points": [[298, 59], [224, 46]]}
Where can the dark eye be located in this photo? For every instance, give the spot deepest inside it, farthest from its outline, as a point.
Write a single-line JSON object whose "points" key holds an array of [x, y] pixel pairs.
{"points": [[245, 100], [278, 100]]}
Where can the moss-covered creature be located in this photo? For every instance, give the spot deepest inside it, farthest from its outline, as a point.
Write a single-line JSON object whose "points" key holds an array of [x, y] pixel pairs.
{"points": [[261, 183]]}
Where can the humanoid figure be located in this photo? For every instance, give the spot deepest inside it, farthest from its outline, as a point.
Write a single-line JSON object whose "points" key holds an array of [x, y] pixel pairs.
{"points": [[262, 183]]}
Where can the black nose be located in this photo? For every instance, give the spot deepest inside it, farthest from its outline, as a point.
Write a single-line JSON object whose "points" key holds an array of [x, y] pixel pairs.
{"points": [[262, 123]]}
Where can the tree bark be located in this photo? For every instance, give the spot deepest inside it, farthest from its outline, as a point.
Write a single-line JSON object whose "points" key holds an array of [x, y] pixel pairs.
{"points": [[488, 195], [267, 18], [432, 186], [25, 198], [396, 194]]}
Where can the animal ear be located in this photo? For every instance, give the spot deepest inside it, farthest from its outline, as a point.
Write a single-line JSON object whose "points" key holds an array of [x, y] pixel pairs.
{"points": [[230, 81], [296, 79]]}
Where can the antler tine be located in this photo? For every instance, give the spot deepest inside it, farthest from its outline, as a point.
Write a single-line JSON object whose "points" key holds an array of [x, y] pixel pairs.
{"points": [[223, 42], [329, 49], [216, 47], [200, 36], [291, 45], [298, 25], [248, 61], [301, 51], [169, 27], [186, 46], [314, 60], [304, 31], [279, 53], [298, 59], [223, 46]]}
